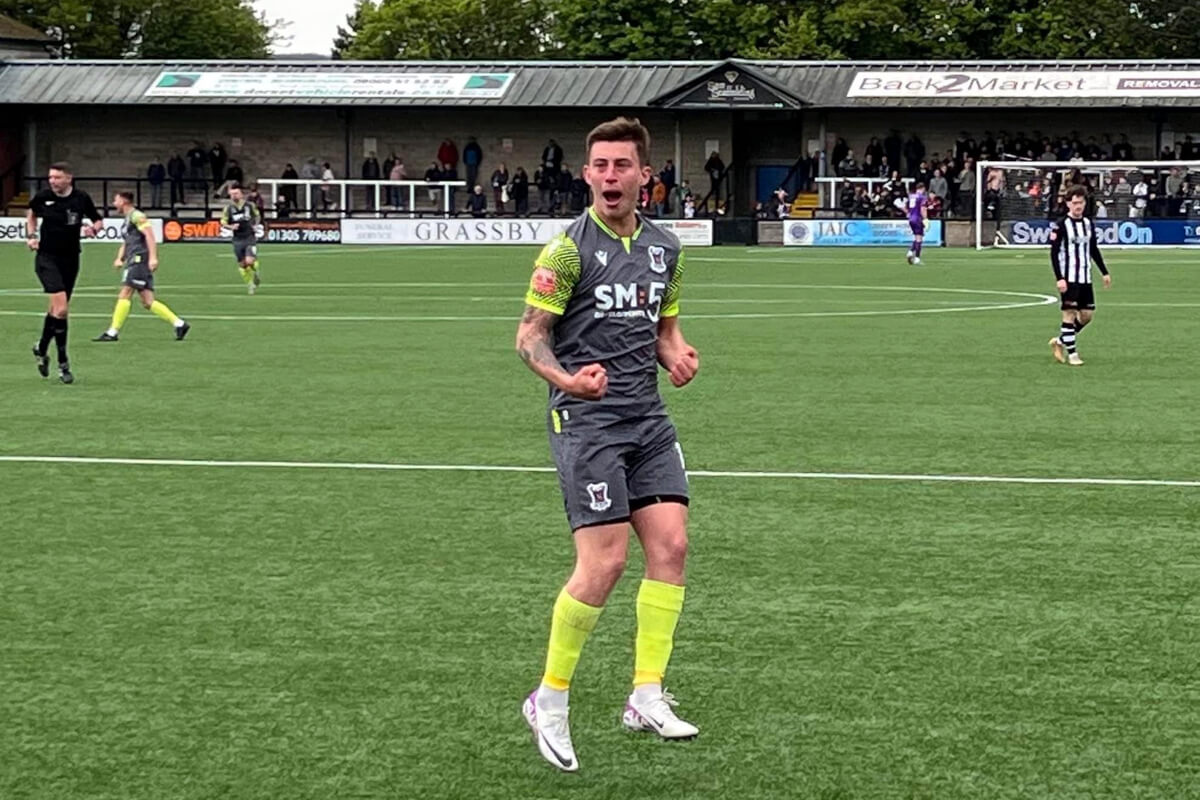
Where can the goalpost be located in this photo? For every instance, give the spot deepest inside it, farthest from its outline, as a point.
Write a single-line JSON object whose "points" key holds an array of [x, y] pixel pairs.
{"points": [[1136, 204]]}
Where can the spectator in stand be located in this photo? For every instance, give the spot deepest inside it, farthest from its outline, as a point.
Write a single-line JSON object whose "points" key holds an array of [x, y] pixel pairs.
{"points": [[914, 154], [283, 207], [398, 172], [450, 173], [499, 183], [371, 171], [870, 169], [1141, 198], [1092, 150], [1123, 150], [644, 195], [689, 207], [327, 178], [552, 159], [874, 151], [177, 171], [1189, 150], [862, 202], [924, 174], [520, 192], [217, 159], [156, 175], [310, 172], [938, 186], [714, 168], [966, 188], [1167, 154], [893, 145], [667, 176], [1048, 153], [579, 194], [447, 154], [289, 190], [783, 208], [885, 167], [1173, 189], [472, 156], [658, 198], [544, 182], [848, 166], [760, 212], [255, 197], [386, 174], [477, 203], [562, 189], [197, 164], [233, 174], [683, 192]]}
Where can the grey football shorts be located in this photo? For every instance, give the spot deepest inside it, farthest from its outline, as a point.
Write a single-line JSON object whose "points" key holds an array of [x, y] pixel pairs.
{"points": [[608, 471], [244, 250], [138, 276]]}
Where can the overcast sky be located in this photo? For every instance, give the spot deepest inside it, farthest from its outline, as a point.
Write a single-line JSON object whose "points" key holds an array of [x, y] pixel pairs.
{"points": [[313, 24]]}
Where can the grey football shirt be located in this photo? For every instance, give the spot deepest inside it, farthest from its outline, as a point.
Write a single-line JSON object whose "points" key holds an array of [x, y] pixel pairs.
{"points": [[609, 292]]}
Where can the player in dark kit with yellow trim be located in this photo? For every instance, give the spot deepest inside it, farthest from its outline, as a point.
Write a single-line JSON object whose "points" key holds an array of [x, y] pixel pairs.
{"points": [[601, 315]]}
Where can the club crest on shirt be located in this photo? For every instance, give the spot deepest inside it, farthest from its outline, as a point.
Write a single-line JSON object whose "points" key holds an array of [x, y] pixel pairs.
{"points": [[544, 280], [602, 257], [658, 258], [598, 492]]}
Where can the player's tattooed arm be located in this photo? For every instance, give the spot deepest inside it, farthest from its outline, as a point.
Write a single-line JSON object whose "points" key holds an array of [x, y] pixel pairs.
{"points": [[535, 345]]}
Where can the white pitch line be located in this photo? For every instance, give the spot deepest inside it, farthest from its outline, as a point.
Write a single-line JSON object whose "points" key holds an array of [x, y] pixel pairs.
{"points": [[389, 467]]}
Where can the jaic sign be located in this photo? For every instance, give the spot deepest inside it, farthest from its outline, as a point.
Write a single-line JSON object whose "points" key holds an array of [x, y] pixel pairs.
{"points": [[856, 232]]}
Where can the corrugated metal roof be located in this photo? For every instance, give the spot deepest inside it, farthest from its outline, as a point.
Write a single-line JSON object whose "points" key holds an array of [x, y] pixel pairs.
{"points": [[544, 83]]}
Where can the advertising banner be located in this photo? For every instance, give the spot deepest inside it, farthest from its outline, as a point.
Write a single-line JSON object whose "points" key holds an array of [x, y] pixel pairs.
{"points": [[342, 84], [451, 231], [304, 231], [1123, 232], [1026, 85], [691, 232], [200, 230], [856, 232], [12, 229]]}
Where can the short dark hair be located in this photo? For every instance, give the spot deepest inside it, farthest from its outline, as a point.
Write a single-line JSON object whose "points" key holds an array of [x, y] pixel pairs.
{"points": [[1076, 191], [235, 185], [919, 185], [622, 129], [126, 196], [61, 166]]}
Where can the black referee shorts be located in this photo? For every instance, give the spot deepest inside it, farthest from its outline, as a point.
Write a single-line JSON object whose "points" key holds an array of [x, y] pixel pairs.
{"points": [[57, 271], [1078, 296]]}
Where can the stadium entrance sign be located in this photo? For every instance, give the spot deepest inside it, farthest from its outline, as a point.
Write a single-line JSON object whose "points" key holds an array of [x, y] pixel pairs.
{"points": [[984, 83], [856, 232]]}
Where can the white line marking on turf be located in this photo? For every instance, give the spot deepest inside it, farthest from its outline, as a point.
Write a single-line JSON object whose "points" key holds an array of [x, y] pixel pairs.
{"points": [[388, 467]]}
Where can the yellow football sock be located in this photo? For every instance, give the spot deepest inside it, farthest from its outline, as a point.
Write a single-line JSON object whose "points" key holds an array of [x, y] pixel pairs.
{"points": [[658, 607], [247, 274], [161, 311], [121, 313], [572, 623]]}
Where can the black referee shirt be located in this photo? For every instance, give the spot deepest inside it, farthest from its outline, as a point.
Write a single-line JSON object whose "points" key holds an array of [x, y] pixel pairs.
{"points": [[61, 219]]}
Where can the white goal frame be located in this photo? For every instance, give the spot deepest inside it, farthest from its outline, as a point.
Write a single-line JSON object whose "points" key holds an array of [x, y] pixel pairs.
{"points": [[981, 168]]}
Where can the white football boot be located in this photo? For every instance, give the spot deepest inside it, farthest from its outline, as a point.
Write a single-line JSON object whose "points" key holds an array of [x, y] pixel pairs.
{"points": [[551, 732], [656, 715]]}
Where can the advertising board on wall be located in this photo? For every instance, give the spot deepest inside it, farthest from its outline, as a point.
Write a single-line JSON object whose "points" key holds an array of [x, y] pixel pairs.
{"points": [[12, 229], [1115, 232], [856, 232], [697, 233]]}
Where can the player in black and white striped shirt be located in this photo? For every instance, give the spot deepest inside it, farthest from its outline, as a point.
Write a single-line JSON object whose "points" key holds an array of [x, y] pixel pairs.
{"points": [[1073, 249]]}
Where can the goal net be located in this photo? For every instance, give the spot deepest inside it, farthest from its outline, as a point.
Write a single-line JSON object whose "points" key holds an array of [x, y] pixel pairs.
{"points": [[1134, 204]]}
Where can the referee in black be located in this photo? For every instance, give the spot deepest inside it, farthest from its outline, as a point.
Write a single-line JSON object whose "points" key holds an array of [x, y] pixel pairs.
{"points": [[1074, 247], [62, 209]]}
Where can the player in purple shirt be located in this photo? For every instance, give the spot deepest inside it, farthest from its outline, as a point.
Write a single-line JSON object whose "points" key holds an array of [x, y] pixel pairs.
{"points": [[918, 213]]}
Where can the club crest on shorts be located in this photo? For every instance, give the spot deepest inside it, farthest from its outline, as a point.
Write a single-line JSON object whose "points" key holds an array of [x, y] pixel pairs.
{"points": [[658, 258], [598, 492]]}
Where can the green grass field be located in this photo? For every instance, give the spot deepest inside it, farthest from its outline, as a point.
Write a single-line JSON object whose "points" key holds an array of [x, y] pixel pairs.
{"points": [[280, 632]]}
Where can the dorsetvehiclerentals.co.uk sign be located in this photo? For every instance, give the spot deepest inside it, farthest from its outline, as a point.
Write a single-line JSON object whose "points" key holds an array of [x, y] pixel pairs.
{"points": [[398, 85], [1028, 85]]}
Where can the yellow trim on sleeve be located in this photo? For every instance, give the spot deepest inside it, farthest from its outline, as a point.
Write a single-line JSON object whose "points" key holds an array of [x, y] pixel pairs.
{"points": [[543, 305]]}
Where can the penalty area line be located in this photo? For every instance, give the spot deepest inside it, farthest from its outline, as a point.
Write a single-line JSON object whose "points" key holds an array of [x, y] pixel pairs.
{"points": [[732, 474]]}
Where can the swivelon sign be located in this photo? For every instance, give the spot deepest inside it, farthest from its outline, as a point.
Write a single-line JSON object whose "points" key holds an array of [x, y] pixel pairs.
{"points": [[395, 85], [1025, 85]]}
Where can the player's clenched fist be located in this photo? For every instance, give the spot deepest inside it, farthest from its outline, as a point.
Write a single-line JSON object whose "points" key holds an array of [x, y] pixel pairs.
{"points": [[589, 383], [685, 368]]}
